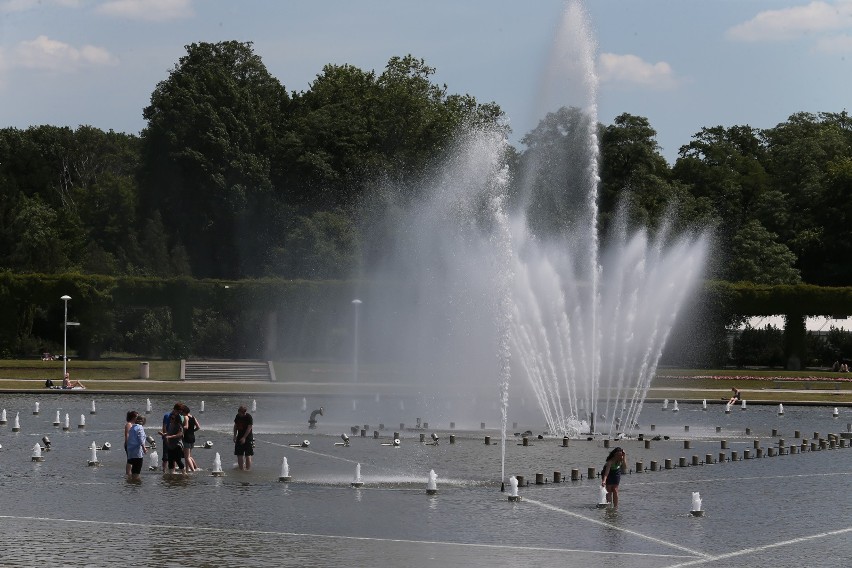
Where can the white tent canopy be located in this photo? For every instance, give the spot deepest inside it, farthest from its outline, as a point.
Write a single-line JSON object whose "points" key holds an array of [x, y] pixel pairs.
{"points": [[815, 324]]}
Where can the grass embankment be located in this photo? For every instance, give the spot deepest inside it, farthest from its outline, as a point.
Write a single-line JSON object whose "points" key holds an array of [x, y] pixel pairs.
{"points": [[765, 385], [758, 385]]}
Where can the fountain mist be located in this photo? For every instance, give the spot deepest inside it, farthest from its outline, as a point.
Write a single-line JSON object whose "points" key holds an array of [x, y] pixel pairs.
{"points": [[475, 263]]}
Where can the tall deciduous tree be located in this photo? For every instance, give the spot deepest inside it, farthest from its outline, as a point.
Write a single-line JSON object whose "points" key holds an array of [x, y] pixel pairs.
{"points": [[635, 174], [212, 127], [353, 127], [807, 157]]}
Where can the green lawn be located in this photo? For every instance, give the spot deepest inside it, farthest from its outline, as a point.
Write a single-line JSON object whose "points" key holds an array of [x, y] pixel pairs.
{"points": [[683, 384], [87, 370]]}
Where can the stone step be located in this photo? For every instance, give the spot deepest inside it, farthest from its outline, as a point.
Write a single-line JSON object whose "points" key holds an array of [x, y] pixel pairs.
{"points": [[227, 370]]}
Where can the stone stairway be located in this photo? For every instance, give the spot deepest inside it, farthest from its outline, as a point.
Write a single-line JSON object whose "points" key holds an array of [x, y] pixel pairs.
{"points": [[210, 370]]}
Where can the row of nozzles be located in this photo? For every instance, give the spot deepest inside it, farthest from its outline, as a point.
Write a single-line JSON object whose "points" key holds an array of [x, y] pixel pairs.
{"points": [[832, 442]]}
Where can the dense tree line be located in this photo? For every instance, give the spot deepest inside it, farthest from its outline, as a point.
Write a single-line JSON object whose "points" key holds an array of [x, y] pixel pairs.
{"points": [[235, 177]]}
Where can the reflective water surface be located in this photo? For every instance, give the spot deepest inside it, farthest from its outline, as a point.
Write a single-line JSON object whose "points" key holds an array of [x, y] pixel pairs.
{"points": [[790, 510]]}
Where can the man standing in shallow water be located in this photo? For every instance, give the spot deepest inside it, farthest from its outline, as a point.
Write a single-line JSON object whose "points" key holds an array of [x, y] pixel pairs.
{"points": [[243, 438]]}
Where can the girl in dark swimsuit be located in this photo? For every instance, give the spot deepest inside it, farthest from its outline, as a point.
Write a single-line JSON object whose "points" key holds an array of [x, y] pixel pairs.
{"points": [[616, 463]]}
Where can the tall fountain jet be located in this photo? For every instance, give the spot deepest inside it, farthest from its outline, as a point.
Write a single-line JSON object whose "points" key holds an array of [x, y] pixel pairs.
{"points": [[485, 260]]}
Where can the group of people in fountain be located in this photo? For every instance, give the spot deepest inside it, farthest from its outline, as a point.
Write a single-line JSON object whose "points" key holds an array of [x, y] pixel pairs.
{"points": [[178, 440]]}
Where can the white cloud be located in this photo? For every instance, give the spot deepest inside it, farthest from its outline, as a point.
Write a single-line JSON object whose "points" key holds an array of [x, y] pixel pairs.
{"points": [[835, 44], [151, 10], [52, 55], [12, 6], [633, 70], [790, 23]]}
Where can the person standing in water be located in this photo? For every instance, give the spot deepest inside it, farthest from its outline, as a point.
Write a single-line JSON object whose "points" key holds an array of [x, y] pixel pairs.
{"points": [[243, 438], [128, 425], [616, 464], [136, 449]]}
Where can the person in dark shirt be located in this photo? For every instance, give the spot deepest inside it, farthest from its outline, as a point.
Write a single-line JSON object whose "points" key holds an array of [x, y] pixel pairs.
{"points": [[243, 438]]}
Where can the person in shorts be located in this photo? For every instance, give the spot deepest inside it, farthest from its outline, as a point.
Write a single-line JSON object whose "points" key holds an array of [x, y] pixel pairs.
{"points": [[616, 464], [136, 449], [243, 438]]}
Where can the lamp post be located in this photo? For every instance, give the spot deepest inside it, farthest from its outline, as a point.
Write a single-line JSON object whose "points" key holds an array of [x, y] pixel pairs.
{"points": [[357, 304], [65, 299]]}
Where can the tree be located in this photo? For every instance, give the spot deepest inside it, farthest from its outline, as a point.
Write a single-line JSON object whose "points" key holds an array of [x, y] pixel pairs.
{"points": [[353, 127], [758, 257], [321, 246], [212, 127], [634, 174], [555, 176], [808, 157], [40, 246]]}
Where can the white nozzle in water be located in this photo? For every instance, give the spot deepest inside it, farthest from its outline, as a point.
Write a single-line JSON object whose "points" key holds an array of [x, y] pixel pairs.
{"points": [[780, 409], [665, 404], [154, 459], [304, 405], [704, 404], [696, 501], [148, 405], [513, 486], [36, 451], [94, 407], [836, 412], [57, 421], [432, 484], [675, 408], [602, 496], [36, 407], [82, 420], [93, 453], [17, 423], [67, 421], [254, 406], [743, 404], [3, 415], [285, 468], [357, 473], [217, 463], [202, 406]]}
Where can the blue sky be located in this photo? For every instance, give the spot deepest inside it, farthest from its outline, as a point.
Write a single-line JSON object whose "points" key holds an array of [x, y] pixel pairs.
{"points": [[681, 64]]}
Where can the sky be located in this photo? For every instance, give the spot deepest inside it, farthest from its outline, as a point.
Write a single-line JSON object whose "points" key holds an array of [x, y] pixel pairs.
{"points": [[682, 64]]}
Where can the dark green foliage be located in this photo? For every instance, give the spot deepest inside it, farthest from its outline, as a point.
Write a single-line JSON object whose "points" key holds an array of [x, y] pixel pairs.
{"points": [[207, 152], [758, 347], [235, 178]]}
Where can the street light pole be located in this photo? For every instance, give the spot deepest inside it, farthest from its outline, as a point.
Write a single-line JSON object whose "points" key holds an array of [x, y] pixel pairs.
{"points": [[357, 304], [65, 299]]}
